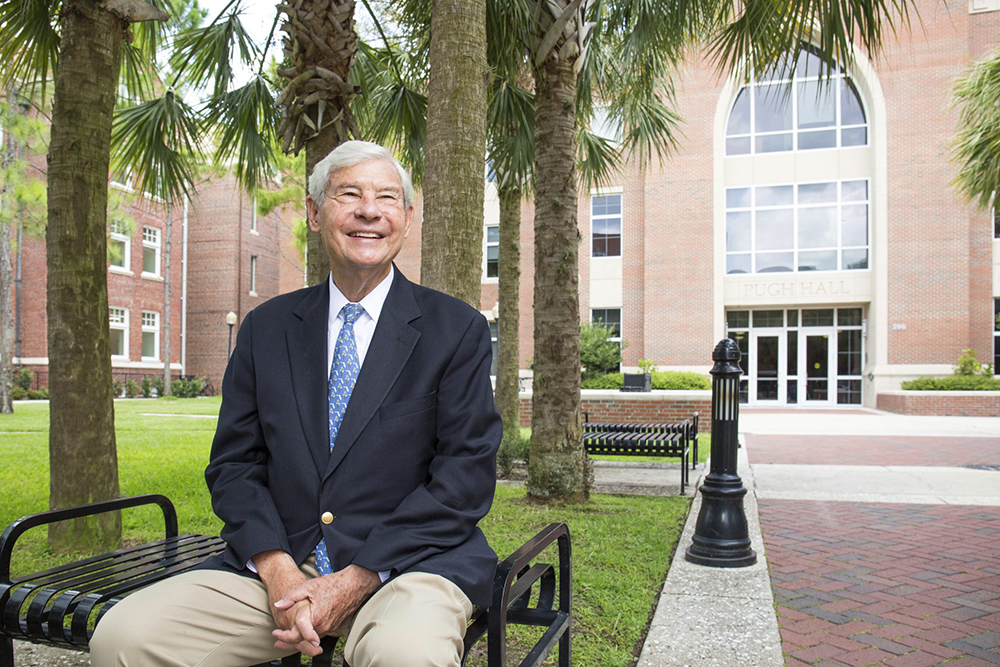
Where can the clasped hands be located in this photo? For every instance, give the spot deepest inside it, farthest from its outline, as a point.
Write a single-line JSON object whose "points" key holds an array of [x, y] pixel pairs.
{"points": [[306, 609]]}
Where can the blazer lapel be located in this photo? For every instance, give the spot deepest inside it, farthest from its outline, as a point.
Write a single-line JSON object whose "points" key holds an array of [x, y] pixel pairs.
{"points": [[391, 346], [307, 340]]}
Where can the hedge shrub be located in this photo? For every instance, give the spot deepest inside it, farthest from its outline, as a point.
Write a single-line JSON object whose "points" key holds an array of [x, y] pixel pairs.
{"points": [[954, 383], [661, 380]]}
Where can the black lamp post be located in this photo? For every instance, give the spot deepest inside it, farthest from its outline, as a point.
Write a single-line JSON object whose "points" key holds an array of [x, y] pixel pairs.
{"points": [[721, 537], [231, 321]]}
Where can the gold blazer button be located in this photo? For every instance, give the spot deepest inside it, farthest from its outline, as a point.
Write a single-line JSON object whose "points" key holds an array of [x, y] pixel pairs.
{"points": [[327, 518]]}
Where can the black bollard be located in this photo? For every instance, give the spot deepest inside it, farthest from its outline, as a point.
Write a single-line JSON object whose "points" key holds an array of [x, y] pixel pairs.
{"points": [[721, 538]]}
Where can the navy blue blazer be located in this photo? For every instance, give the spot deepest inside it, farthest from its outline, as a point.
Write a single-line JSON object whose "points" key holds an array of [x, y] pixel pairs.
{"points": [[413, 469]]}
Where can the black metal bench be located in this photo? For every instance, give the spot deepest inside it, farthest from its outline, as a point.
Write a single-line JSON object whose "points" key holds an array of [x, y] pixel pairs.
{"points": [[677, 439], [62, 605]]}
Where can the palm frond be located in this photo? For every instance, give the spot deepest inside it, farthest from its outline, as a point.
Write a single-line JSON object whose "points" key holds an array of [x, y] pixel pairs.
{"points": [[148, 36], [154, 141], [393, 111], [598, 159], [511, 138], [244, 124], [976, 147], [136, 71], [206, 54], [29, 42], [756, 34]]}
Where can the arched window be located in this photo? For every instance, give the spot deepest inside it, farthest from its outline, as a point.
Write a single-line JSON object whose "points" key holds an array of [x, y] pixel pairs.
{"points": [[798, 105]]}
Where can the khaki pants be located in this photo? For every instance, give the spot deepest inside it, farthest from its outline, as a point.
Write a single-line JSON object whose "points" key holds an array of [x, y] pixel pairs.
{"points": [[211, 618]]}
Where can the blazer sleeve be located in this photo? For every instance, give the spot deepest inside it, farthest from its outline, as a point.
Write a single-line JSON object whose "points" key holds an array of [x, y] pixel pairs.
{"points": [[442, 513], [237, 469]]}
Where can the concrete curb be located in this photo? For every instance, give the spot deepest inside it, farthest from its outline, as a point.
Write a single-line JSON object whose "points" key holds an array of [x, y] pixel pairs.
{"points": [[716, 617]]}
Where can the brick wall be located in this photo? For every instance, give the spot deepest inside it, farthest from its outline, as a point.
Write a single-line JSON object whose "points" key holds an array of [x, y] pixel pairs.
{"points": [[638, 408], [220, 247], [126, 289], [941, 403]]}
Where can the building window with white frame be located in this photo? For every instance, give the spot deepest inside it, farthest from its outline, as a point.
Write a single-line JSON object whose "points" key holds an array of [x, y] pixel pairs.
{"points": [[996, 223], [606, 225], [253, 275], [494, 335], [150, 336], [253, 216], [119, 245], [799, 106], [996, 336], [492, 238], [150, 251], [118, 323], [797, 228], [610, 318]]}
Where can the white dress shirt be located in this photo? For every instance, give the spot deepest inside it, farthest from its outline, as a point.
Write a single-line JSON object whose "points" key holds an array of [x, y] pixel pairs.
{"points": [[364, 329]]}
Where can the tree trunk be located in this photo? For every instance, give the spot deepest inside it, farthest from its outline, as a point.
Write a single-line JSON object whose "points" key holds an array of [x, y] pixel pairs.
{"points": [[508, 334], [165, 329], [6, 323], [317, 259], [559, 469], [454, 177], [82, 453], [6, 296], [320, 45]]}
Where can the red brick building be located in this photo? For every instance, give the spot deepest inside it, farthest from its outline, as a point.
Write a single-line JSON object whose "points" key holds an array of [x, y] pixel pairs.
{"points": [[224, 257], [819, 228]]}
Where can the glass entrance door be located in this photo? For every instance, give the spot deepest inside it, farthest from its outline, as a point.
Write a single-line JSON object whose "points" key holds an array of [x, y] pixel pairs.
{"points": [[817, 359], [767, 375]]}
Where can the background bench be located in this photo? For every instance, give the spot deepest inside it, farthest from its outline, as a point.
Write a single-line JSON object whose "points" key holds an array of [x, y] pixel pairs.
{"points": [[676, 439], [60, 606]]}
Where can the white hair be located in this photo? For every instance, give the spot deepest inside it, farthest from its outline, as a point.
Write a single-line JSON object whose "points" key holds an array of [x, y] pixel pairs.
{"points": [[349, 154]]}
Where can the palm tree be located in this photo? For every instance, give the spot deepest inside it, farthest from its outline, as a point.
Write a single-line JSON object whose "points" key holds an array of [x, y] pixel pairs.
{"points": [[87, 42], [976, 146], [642, 42]]}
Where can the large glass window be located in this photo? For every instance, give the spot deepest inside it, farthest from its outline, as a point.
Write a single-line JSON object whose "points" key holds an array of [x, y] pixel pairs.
{"points": [[492, 251], [151, 251], [804, 227], [850, 357], [150, 336], [800, 105], [118, 323], [606, 225], [118, 245]]}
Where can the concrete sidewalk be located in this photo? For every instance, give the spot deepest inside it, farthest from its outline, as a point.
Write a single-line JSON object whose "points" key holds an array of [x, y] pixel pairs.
{"points": [[839, 582]]}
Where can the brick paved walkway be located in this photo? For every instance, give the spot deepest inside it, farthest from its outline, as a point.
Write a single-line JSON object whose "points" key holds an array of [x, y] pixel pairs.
{"points": [[900, 585], [873, 450]]}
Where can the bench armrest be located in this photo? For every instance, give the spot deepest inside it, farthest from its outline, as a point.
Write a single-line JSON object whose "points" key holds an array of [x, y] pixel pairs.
{"points": [[25, 523], [514, 579]]}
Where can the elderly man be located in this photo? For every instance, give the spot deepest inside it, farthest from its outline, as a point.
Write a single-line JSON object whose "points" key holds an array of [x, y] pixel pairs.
{"points": [[354, 456]]}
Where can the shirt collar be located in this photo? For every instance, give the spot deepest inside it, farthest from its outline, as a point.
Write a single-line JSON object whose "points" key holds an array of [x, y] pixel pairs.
{"points": [[372, 302]]}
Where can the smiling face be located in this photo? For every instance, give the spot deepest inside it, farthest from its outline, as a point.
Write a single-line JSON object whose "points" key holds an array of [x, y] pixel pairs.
{"points": [[362, 222]]}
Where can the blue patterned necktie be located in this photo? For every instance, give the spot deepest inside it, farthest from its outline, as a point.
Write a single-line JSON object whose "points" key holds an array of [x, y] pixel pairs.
{"points": [[343, 375]]}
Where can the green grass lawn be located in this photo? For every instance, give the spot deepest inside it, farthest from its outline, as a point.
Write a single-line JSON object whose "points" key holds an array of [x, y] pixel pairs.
{"points": [[622, 546]]}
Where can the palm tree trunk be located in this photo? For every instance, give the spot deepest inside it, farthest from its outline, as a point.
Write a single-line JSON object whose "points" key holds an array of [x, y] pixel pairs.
{"points": [[82, 452], [509, 288], [165, 329], [320, 47], [6, 305], [559, 469], [454, 177], [6, 324]]}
